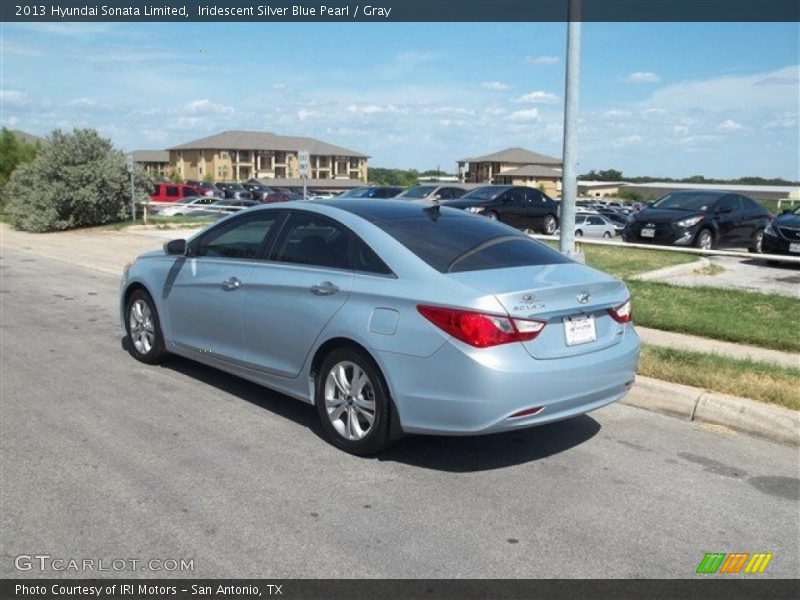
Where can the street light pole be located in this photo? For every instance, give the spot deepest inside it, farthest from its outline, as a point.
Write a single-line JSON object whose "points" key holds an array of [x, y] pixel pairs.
{"points": [[569, 186]]}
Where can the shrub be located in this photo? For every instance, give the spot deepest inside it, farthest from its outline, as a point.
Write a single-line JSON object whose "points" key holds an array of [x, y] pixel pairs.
{"points": [[76, 180]]}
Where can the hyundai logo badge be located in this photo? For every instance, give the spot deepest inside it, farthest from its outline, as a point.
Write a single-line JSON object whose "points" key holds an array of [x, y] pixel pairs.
{"points": [[584, 297]]}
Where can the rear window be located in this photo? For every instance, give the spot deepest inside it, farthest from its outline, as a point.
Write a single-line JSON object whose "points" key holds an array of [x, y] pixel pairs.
{"points": [[451, 241]]}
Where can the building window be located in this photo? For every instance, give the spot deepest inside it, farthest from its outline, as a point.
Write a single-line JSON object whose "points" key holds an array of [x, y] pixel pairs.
{"points": [[224, 154]]}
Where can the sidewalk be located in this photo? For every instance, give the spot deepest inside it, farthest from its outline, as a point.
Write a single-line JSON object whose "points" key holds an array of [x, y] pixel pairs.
{"points": [[683, 341]]}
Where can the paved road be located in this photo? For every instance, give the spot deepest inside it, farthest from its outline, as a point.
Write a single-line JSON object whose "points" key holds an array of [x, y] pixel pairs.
{"points": [[103, 457]]}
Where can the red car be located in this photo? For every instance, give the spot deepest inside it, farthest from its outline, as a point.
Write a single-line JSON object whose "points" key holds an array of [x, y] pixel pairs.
{"points": [[172, 192]]}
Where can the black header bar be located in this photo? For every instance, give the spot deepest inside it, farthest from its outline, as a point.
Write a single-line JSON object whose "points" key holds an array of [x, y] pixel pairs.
{"points": [[398, 10]]}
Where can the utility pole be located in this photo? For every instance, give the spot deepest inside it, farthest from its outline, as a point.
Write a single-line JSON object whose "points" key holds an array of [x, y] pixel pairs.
{"points": [[569, 186]]}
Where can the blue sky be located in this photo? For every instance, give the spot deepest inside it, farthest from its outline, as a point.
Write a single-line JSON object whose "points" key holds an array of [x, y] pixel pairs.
{"points": [[660, 99]]}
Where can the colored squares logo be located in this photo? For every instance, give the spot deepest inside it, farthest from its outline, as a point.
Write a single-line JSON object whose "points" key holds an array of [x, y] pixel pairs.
{"points": [[736, 562]]}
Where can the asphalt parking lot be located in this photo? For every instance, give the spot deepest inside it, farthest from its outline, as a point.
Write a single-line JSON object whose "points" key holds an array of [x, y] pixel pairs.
{"points": [[104, 457]]}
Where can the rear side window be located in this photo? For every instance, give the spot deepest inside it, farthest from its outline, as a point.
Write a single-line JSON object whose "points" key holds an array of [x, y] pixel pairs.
{"points": [[366, 261], [309, 239], [451, 241]]}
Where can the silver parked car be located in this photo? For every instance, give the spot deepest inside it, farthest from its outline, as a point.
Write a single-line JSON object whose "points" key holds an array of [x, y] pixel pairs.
{"points": [[594, 225], [432, 193], [390, 317]]}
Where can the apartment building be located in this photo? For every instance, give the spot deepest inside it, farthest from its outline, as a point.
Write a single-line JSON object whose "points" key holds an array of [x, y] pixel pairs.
{"points": [[243, 155], [154, 162], [515, 166]]}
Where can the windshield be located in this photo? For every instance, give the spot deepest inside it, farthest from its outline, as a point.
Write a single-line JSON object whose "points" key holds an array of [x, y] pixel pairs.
{"points": [[419, 192], [687, 201]]}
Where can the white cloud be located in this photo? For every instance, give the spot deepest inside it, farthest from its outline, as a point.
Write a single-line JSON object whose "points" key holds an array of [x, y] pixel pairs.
{"points": [[207, 107], [643, 77], [13, 98], [83, 103], [496, 86], [730, 125], [375, 109], [746, 93], [279, 86], [615, 113], [541, 60], [680, 130], [527, 114], [304, 115], [538, 97]]}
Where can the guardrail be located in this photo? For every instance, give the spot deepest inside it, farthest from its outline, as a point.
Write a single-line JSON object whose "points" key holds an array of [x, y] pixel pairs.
{"points": [[737, 254]]}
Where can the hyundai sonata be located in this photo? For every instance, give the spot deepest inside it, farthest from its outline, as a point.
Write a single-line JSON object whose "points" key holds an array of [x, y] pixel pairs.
{"points": [[390, 317]]}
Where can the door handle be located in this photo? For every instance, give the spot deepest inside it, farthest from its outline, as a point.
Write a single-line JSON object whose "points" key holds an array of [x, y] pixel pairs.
{"points": [[325, 288], [232, 283]]}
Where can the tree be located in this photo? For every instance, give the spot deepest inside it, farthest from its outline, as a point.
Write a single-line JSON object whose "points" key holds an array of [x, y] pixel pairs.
{"points": [[76, 179], [13, 152], [400, 177]]}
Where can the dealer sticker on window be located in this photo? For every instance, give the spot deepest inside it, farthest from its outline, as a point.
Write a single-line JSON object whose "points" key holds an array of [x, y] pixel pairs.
{"points": [[579, 329]]}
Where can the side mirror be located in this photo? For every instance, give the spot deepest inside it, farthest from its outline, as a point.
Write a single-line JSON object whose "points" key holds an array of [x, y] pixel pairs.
{"points": [[436, 197], [175, 247]]}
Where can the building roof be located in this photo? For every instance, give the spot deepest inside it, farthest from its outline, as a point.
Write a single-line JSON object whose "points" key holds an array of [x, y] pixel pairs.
{"points": [[601, 184], [715, 186], [532, 171], [150, 156], [28, 138], [265, 140], [519, 156], [325, 184]]}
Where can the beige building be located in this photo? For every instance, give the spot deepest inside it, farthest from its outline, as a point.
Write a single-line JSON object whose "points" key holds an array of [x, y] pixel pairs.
{"points": [[243, 155], [154, 162], [515, 166], [599, 189]]}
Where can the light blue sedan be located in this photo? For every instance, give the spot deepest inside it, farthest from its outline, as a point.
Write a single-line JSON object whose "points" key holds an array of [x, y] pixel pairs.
{"points": [[390, 317]]}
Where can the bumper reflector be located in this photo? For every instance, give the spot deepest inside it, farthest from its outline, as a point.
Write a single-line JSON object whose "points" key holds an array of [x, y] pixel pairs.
{"points": [[527, 412]]}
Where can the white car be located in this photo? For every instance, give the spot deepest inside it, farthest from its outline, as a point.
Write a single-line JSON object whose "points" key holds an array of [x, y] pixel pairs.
{"points": [[184, 206], [594, 226]]}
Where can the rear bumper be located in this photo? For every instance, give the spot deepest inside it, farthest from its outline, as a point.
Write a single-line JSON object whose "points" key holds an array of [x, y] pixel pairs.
{"points": [[463, 391]]}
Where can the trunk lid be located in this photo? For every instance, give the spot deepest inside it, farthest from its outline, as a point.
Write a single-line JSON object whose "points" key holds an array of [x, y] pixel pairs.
{"points": [[554, 293]]}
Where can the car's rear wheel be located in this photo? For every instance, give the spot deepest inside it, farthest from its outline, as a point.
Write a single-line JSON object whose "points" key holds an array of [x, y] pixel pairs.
{"points": [[352, 402], [549, 225], [606, 234], [705, 240], [758, 240], [145, 340], [578, 233], [493, 215]]}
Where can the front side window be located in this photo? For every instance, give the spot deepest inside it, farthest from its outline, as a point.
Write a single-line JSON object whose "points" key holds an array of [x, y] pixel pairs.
{"points": [[310, 239], [729, 204], [240, 238], [172, 191]]}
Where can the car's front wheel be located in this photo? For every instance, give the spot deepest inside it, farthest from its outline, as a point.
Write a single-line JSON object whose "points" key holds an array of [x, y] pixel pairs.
{"points": [[705, 240], [493, 215], [756, 246], [352, 402], [578, 233], [145, 340], [549, 225], [606, 234]]}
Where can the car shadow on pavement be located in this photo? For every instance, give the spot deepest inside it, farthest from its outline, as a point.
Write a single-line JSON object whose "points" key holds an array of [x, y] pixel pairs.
{"points": [[464, 454], [443, 453]]}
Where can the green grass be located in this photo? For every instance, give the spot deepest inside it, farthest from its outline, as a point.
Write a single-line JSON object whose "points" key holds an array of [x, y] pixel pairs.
{"points": [[769, 321], [626, 262], [755, 380]]}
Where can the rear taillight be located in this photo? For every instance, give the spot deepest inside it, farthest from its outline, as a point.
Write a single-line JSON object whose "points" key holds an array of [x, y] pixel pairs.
{"points": [[479, 329], [622, 313]]}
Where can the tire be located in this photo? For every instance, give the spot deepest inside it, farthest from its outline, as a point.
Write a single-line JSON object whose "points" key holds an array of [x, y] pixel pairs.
{"points": [[493, 215], [145, 341], [578, 233], [704, 240], [549, 225], [337, 405], [606, 235], [758, 238]]}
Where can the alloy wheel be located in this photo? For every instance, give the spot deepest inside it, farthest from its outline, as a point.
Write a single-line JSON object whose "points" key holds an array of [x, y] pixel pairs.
{"points": [[350, 400], [549, 225], [759, 242], [142, 328], [705, 240]]}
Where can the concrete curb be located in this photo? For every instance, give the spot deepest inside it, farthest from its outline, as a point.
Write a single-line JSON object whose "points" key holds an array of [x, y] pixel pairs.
{"points": [[695, 404], [673, 270]]}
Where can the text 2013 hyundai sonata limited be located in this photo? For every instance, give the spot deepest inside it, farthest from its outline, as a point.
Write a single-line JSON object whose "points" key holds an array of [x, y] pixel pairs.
{"points": [[391, 317]]}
